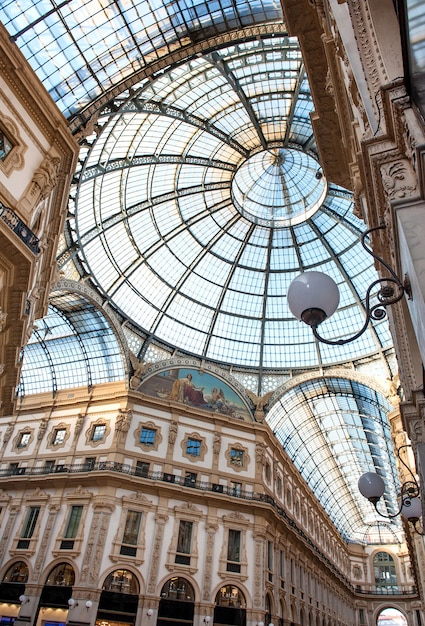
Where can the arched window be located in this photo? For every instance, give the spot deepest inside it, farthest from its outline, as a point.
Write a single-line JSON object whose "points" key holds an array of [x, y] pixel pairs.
{"points": [[385, 572], [17, 573], [230, 596], [57, 589], [391, 616], [63, 575], [230, 606], [121, 581], [177, 603], [178, 589], [13, 583]]}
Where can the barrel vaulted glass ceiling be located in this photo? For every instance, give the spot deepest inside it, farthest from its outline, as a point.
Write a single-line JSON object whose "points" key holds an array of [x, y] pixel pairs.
{"points": [[334, 430], [199, 196]]}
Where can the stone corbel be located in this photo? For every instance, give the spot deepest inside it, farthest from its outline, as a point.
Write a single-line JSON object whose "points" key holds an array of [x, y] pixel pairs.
{"points": [[413, 414], [43, 182]]}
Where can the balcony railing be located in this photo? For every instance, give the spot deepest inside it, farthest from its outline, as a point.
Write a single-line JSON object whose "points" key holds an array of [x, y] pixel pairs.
{"points": [[19, 228]]}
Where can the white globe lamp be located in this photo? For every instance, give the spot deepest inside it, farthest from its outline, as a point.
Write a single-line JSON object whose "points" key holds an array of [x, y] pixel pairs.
{"points": [[313, 297], [411, 509], [371, 486]]}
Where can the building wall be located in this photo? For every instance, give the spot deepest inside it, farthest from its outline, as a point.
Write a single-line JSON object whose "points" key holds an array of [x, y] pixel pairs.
{"points": [[311, 573]]}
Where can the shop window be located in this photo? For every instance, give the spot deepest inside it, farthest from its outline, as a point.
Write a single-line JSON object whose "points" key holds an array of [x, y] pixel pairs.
{"points": [[184, 543], [28, 527], [230, 596], [121, 581], [131, 533], [147, 436], [234, 551], [17, 573], [178, 589], [62, 575]]}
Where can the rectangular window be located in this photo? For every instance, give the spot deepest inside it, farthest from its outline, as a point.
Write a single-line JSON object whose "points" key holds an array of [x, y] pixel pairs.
{"points": [[270, 555], [132, 527], [89, 462], [282, 568], [98, 432], [13, 468], [74, 519], [190, 479], [235, 489], [30, 522], [24, 440], [184, 542], [142, 469], [48, 467], [236, 457], [234, 551], [28, 527], [71, 528], [193, 447], [131, 533], [147, 436], [59, 436]]}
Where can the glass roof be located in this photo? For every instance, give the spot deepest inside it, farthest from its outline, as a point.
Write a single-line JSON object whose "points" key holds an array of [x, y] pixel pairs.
{"points": [[199, 196], [202, 199], [57, 37], [334, 430], [72, 346]]}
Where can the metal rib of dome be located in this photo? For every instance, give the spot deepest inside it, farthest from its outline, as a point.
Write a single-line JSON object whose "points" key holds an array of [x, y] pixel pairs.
{"points": [[203, 198]]}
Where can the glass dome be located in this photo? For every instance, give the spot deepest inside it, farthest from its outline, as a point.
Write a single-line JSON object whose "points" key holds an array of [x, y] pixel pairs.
{"points": [[202, 198]]}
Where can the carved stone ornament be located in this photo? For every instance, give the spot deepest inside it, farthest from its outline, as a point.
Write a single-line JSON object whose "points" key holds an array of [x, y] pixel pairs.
{"points": [[399, 180], [3, 318]]}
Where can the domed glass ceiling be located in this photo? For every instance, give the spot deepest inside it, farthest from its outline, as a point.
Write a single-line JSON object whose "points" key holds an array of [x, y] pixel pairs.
{"points": [[198, 197], [203, 198]]}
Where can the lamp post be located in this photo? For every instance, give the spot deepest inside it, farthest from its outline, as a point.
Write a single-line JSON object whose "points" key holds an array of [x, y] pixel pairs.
{"points": [[314, 296], [372, 487]]}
